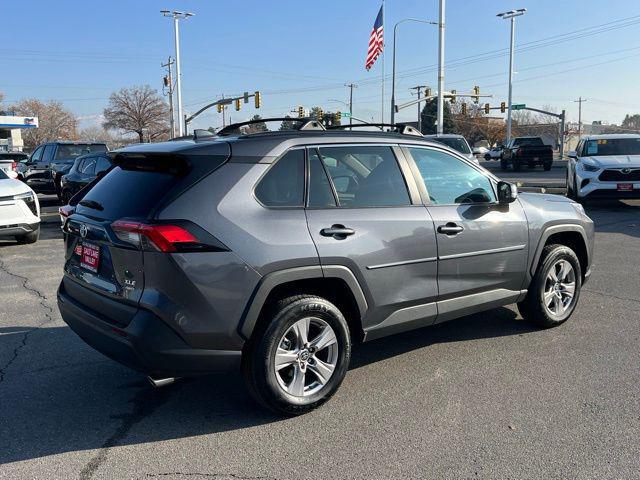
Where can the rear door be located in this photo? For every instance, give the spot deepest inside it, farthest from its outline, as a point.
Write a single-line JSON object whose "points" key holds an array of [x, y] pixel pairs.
{"points": [[38, 176], [482, 245], [364, 212]]}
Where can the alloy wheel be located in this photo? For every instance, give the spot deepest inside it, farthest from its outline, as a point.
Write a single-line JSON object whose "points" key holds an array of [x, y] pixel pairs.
{"points": [[559, 288]]}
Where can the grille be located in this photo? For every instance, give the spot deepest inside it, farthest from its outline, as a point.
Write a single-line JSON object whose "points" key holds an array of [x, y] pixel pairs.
{"points": [[612, 175]]}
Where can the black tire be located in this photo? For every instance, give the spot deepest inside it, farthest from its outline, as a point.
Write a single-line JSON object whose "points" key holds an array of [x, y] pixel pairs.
{"points": [[547, 166], [487, 157], [503, 164], [533, 308], [258, 360], [31, 237]]}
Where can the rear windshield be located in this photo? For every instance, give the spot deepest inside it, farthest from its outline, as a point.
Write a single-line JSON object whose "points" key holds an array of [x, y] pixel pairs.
{"points": [[523, 142], [137, 187], [457, 144], [13, 156], [69, 152], [613, 146]]}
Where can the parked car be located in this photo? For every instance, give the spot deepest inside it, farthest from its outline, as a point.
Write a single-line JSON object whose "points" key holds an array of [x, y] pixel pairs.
{"points": [[605, 166], [494, 153], [50, 161], [19, 210], [274, 252], [480, 151], [84, 170], [457, 142], [10, 160], [530, 151]]}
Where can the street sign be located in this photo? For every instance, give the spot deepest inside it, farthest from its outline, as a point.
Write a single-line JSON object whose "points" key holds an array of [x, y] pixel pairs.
{"points": [[518, 106], [346, 114]]}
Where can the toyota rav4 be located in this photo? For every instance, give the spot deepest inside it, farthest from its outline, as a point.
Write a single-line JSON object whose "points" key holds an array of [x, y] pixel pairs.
{"points": [[275, 252]]}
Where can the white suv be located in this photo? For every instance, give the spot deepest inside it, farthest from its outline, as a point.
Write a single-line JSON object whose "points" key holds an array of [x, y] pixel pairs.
{"points": [[605, 166], [19, 210]]}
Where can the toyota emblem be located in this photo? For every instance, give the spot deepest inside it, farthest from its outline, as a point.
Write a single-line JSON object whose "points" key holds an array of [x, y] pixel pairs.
{"points": [[626, 170], [83, 230]]}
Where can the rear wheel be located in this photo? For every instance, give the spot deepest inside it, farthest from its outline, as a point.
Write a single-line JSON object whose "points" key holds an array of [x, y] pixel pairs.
{"points": [[547, 165], [300, 359], [31, 237], [555, 288], [517, 166]]}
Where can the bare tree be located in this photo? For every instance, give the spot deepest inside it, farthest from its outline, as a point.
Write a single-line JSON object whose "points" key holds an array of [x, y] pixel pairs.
{"points": [[138, 110], [55, 122]]}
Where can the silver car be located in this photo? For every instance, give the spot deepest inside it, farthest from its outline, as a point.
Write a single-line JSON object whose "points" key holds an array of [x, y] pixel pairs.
{"points": [[605, 166], [456, 142]]}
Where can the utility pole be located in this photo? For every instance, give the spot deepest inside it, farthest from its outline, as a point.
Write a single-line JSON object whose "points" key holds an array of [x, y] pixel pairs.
{"points": [[168, 82], [351, 87], [418, 89], [177, 16], [579, 102], [224, 107], [511, 15], [440, 126]]}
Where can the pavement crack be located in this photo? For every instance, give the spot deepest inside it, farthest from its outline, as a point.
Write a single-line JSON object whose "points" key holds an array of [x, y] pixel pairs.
{"points": [[145, 402], [231, 476], [25, 335], [611, 296]]}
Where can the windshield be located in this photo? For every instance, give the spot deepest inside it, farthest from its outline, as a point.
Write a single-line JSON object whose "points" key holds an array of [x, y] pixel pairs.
{"points": [[459, 144], [613, 146], [3, 176], [68, 152]]}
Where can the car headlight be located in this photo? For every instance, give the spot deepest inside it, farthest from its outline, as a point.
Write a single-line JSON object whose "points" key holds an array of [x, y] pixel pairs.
{"points": [[589, 167], [30, 199]]}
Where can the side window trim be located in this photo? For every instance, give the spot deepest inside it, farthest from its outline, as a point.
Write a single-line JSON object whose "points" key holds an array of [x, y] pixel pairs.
{"points": [[424, 192]]}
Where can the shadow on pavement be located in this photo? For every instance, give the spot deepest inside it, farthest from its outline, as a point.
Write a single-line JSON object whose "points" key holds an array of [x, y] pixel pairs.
{"points": [[75, 406], [613, 216]]}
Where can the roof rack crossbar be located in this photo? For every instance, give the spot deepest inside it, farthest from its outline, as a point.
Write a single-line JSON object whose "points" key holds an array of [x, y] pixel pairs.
{"points": [[397, 128], [304, 123]]}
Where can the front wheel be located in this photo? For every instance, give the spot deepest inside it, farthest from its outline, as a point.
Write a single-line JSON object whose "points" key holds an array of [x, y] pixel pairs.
{"points": [[301, 358], [555, 288]]}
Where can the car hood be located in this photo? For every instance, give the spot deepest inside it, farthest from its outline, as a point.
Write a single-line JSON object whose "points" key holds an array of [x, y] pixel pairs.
{"points": [[616, 160], [11, 187], [538, 198]]}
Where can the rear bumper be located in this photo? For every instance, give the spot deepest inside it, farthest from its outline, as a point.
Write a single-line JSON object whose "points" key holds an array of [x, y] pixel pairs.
{"points": [[147, 344]]}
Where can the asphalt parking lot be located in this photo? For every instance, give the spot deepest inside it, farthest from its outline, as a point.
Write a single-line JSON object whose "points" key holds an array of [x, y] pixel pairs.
{"points": [[485, 396]]}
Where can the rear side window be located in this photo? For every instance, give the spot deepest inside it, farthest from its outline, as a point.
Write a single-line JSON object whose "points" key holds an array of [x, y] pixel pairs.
{"points": [[102, 164], [365, 176], [88, 166], [283, 184]]}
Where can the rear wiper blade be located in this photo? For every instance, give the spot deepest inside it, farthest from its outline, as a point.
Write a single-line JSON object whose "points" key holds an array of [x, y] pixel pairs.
{"points": [[91, 204]]}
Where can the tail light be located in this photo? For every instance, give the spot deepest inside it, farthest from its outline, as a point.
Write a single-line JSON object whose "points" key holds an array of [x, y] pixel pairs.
{"points": [[519, 151], [164, 238], [14, 166]]}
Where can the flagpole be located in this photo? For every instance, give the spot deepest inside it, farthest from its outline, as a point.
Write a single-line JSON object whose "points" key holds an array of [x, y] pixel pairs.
{"points": [[383, 55]]}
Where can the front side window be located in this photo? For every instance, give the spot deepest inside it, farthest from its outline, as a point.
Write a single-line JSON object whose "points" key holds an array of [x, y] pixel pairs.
{"points": [[37, 155], [365, 176], [451, 181], [88, 166], [48, 153], [283, 184]]}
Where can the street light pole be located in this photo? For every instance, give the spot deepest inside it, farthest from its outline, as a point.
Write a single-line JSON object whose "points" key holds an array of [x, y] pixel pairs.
{"points": [[393, 68], [511, 15], [177, 16], [351, 87], [440, 126]]}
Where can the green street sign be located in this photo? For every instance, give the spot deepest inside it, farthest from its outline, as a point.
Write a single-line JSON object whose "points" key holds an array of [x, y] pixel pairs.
{"points": [[518, 106], [346, 114]]}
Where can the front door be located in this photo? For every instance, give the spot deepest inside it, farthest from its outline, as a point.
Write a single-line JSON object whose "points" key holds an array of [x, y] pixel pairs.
{"points": [[361, 215], [482, 245]]}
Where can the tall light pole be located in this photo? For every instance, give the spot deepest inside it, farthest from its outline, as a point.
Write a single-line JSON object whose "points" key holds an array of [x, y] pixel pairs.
{"points": [[511, 14], [440, 126], [177, 16], [579, 102], [393, 68]]}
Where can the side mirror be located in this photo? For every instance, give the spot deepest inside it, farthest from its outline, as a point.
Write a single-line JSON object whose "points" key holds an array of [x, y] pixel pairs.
{"points": [[507, 192], [572, 154]]}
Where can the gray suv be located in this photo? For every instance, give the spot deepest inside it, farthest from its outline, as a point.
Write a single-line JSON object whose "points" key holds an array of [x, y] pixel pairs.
{"points": [[275, 252]]}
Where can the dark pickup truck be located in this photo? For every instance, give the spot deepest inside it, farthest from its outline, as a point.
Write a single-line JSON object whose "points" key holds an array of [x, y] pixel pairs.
{"points": [[50, 161], [530, 151]]}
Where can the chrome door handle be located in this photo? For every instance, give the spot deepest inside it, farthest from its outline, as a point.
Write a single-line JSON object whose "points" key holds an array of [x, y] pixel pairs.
{"points": [[339, 232], [450, 229]]}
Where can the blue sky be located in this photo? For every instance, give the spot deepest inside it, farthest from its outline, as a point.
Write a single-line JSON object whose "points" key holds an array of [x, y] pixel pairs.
{"points": [[301, 53]]}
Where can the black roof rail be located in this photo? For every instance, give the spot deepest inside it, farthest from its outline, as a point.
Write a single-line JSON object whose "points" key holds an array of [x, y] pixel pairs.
{"points": [[299, 124], [397, 128]]}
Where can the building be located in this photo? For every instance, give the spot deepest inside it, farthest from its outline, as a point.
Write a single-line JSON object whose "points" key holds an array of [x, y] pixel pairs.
{"points": [[11, 127]]}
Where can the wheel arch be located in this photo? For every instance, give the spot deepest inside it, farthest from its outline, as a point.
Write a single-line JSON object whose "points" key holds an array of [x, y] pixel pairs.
{"points": [[573, 236], [336, 283]]}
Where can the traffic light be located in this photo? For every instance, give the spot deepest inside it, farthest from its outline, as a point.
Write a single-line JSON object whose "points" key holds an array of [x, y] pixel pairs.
{"points": [[487, 108], [453, 96], [427, 92], [319, 115], [258, 99], [245, 97], [238, 105], [503, 107], [476, 91], [219, 107], [464, 108], [166, 80], [300, 111], [338, 117]]}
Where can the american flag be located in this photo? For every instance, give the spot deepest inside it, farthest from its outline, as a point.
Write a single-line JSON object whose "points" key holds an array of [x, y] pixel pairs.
{"points": [[376, 41]]}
